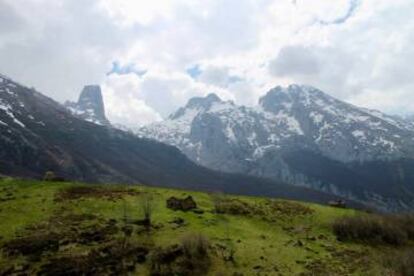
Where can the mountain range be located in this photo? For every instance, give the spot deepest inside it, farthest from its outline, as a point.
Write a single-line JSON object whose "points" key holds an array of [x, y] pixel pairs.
{"points": [[38, 134], [298, 142], [301, 136]]}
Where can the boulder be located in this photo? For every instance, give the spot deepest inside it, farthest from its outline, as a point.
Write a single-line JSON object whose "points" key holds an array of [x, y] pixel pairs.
{"points": [[185, 204], [337, 203]]}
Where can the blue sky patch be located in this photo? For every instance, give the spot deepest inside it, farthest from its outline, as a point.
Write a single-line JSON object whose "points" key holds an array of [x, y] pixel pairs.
{"points": [[194, 71], [119, 69]]}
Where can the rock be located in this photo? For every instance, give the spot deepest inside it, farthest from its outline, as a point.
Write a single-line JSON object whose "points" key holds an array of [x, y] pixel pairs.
{"points": [[337, 203], [198, 211], [178, 221], [299, 243], [51, 176], [90, 106], [185, 204]]}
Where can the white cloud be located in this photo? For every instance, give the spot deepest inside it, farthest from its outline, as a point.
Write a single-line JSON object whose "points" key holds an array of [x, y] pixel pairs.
{"points": [[132, 98], [358, 50], [122, 104]]}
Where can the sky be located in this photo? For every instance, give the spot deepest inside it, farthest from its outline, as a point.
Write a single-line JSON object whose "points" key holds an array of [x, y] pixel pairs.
{"points": [[150, 57]]}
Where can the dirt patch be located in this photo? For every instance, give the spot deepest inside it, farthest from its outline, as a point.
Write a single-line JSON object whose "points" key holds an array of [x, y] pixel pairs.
{"points": [[32, 246], [342, 262], [75, 193], [76, 244], [287, 208], [96, 233], [270, 210], [114, 259], [234, 207]]}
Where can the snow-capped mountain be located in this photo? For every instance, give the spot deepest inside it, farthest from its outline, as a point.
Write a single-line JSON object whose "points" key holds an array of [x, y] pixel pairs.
{"points": [[290, 130], [90, 106]]}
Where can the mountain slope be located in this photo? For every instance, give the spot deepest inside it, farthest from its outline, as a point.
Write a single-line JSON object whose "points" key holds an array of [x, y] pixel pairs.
{"points": [[38, 134], [290, 131]]}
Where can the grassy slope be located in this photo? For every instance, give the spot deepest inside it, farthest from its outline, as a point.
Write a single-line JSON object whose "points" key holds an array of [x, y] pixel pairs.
{"points": [[262, 245]]}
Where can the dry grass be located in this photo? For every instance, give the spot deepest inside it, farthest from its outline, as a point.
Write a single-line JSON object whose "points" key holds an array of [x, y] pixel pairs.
{"points": [[391, 229]]}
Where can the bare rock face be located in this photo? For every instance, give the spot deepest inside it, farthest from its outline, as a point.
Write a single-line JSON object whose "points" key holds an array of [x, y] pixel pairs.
{"points": [[90, 105], [185, 204]]}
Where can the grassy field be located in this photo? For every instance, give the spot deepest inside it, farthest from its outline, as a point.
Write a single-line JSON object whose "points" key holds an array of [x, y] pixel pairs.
{"points": [[48, 228]]}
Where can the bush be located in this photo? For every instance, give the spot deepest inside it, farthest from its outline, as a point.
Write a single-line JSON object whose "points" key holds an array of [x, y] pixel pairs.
{"points": [[195, 245], [393, 230], [401, 263], [147, 208], [49, 176], [229, 206], [190, 257], [406, 222]]}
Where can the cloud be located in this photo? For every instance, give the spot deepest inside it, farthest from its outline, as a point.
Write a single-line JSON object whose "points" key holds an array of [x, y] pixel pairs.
{"points": [[138, 99], [219, 76], [366, 62], [295, 60], [9, 19], [122, 104], [59, 45], [151, 57]]}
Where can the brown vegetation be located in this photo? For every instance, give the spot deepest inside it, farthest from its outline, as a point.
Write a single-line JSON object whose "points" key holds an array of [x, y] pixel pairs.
{"points": [[190, 257], [401, 263], [389, 229], [78, 192], [269, 210]]}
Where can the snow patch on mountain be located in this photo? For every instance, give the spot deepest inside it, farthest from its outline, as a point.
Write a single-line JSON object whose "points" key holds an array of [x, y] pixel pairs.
{"points": [[7, 108], [210, 130]]}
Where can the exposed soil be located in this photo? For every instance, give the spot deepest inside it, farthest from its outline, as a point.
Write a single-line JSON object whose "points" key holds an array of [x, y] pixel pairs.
{"points": [[270, 210], [74, 244], [114, 259], [33, 245], [75, 193]]}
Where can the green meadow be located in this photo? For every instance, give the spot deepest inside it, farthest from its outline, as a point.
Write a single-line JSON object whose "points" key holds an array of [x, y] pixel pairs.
{"points": [[49, 228]]}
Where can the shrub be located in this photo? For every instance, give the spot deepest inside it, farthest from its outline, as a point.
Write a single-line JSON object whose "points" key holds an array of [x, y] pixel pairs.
{"points": [[393, 230], [195, 245], [406, 222], [224, 205], [190, 257], [147, 208], [49, 176], [401, 263]]}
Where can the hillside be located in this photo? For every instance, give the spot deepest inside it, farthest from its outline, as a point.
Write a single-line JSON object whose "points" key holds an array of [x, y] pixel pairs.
{"points": [[55, 228]]}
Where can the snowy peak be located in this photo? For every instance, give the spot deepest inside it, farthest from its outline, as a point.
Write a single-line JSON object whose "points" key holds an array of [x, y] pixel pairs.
{"points": [[90, 105], [299, 96], [297, 116], [203, 102], [197, 104]]}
